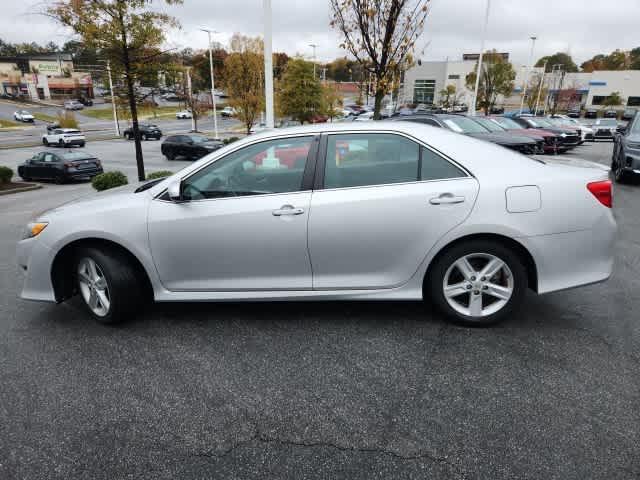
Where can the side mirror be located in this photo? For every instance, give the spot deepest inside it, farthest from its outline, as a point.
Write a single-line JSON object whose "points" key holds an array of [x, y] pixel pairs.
{"points": [[175, 195]]}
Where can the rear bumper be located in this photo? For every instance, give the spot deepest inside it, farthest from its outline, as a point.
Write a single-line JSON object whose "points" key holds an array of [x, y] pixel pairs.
{"points": [[83, 173], [74, 141]]}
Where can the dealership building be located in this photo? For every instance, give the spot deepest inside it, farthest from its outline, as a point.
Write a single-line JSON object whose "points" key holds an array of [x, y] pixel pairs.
{"points": [[423, 82], [44, 77]]}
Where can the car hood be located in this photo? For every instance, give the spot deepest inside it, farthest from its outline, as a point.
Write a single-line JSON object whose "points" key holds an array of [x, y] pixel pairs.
{"points": [[503, 138]]}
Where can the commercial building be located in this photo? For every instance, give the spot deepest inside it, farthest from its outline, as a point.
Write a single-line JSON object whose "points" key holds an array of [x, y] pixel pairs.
{"points": [[44, 77]]}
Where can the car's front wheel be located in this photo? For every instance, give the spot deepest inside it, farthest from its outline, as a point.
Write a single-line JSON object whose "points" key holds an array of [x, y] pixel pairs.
{"points": [[107, 284], [477, 283]]}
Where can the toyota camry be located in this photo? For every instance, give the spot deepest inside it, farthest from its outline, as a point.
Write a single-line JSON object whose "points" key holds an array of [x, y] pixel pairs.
{"points": [[349, 211]]}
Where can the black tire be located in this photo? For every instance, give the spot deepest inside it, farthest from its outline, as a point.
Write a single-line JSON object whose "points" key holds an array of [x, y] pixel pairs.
{"points": [[619, 173], [124, 286], [45, 142], [61, 143], [59, 179], [170, 155], [128, 136], [144, 137], [82, 145], [434, 290]]}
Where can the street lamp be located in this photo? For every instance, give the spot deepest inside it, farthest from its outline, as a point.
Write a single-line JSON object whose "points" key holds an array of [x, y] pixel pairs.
{"points": [[314, 46], [268, 64], [479, 72], [213, 84], [526, 73]]}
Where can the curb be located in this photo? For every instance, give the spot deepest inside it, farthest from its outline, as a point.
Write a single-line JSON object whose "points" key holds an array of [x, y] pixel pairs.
{"points": [[36, 186]]}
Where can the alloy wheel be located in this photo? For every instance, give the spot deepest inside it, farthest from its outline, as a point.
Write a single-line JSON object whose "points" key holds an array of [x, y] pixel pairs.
{"points": [[93, 286], [478, 285]]}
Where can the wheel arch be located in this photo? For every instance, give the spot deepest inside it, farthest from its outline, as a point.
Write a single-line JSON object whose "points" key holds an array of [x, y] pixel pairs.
{"points": [[62, 271], [514, 245]]}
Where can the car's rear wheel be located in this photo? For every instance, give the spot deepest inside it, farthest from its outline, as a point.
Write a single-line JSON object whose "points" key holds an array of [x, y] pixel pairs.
{"points": [[477, 283], [107, 284], [144, 137], [170, 155], [45, 142]]}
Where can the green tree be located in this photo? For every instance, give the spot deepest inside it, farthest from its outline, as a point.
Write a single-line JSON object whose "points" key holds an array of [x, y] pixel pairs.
{"points": [[300, 92], [448, 96], [496, 78], [560, 58], [127, 32], [331, 100], [381, 35], [634, 59], [613, 100], [244, 78]]}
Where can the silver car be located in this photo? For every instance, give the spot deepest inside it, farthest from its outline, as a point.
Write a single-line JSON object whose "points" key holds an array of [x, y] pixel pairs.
{"points": [[355, 211]]}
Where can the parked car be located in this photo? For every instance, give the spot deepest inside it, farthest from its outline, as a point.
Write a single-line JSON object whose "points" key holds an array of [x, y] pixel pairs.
{"points": [[228, 112], [625, 161], [629, 113], [465, 225], [60, 167], [466, 126], [73, 105], [23, 116], [591, 113], [356, 109], [191, 146], [493, 127], [605, 128], [610, 114], [64, 137], [552, 143], [184, 114], [172, 97], [564, 121], [568, 138], [364, 117], [147, 131], [574, 112], [87, 102]]}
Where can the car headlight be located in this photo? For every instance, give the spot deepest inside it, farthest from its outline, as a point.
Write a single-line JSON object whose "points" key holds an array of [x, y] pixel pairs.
{"points": [[34, 229]]}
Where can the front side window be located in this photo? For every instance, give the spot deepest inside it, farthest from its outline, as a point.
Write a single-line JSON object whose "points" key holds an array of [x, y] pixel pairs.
{"points": [[464, 125], [361, 159], [275, 166]]}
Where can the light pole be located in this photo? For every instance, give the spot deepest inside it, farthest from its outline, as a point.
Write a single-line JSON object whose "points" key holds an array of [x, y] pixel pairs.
{"points": [[268, 64], [526, 73], [479, 72], [113, 100], [544, 71], [314, 46], [213, 84], [190, 97]]}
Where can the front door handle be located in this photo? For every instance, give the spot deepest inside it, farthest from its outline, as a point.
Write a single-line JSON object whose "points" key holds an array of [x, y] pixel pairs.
{"points": [[288, 210], [446, 198]]}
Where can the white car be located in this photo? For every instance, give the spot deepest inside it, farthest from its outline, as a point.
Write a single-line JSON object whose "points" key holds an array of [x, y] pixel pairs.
{"points": [[23, 116], [586, 132], [184, 114], [364, 117], [334, 211], [228, 112], [64, 137]]}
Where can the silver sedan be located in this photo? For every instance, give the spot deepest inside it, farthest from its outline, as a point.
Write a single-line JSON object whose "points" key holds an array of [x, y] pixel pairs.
{"points": [[366, 211]]}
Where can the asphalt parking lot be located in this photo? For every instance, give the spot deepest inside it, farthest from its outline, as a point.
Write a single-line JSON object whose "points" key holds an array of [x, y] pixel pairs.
{"points": [[319, 390]]}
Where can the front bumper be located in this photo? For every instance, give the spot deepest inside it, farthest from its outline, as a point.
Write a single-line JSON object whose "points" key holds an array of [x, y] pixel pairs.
{"points": [[35, 260]]}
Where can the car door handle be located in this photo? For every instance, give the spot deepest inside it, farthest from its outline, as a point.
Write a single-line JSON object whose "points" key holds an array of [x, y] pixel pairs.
{"points": [[446, 198], [288, 210]]}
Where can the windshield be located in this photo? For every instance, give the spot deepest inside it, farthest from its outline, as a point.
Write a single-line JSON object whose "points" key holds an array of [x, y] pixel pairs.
{"points": [[489, 125], [507, 123], [464, 125], [539, 122], [607, 122]]}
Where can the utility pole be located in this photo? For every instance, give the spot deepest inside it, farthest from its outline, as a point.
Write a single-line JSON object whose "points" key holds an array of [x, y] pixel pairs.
{"points": [[314, 46], [544, 71], [190, 97], [113, 100], [479, 71], [213, 84], [268, 64], [526, 72]]}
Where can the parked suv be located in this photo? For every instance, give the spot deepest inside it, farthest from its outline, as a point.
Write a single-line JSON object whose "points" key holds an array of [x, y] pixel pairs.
{"points": [[190, 146], [146, 130], [625, 161]]}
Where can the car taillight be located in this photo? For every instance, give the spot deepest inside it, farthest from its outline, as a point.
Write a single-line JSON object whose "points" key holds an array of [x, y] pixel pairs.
{"points": [[602, 191]]}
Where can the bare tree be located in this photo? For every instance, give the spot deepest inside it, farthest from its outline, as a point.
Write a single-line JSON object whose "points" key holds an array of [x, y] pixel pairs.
{"points": [[381, 35]]}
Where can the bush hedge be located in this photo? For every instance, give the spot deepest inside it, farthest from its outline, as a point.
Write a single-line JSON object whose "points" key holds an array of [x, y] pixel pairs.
{"points": [[229, 140], [108, 180], [66, 119], [159, 174], [5, 174]]}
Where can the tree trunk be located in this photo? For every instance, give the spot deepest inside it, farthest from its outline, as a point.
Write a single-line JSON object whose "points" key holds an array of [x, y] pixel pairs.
{"points": [[378, 104], [134, 112]]}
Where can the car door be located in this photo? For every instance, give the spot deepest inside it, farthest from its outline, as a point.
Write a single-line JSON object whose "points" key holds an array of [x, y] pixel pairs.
{"points": [[49, 166], [381, 203], [35, 167], [242, 221]]}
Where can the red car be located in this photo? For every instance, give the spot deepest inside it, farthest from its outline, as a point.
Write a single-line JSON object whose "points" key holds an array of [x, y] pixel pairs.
{"points": [[551, 141]]}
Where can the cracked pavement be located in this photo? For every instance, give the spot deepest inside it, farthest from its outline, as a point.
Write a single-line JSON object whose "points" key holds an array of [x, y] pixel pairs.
{"points": [[322, 390]]}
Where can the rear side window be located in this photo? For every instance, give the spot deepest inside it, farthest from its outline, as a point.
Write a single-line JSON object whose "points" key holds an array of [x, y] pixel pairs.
{"points": [[172, 139], [435, 167], [362, 159]]}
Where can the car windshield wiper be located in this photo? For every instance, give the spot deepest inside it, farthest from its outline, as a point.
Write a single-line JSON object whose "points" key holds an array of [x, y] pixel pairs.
{"points": [[148, 185]]}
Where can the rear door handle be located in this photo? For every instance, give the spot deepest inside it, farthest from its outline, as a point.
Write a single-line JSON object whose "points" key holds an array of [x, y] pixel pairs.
{"points": [[288, 210], [446, 198]]}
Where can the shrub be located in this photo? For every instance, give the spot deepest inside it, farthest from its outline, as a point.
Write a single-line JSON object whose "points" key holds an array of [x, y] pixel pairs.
{"points": [[159, 174], [229, 140], [67, 119], [5, 174], [108, 180]]}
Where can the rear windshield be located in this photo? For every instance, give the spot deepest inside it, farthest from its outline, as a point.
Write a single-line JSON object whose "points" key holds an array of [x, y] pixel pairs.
{"points": [[76, 156]]}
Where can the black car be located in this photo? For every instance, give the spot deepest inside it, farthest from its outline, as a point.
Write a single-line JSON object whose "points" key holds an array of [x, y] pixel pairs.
{"points": [[567, 138], [467, 126], [60, 167], [146, 131], [610, 114], [191, 146], [591, 113], [625, 161], [87, 102]]}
